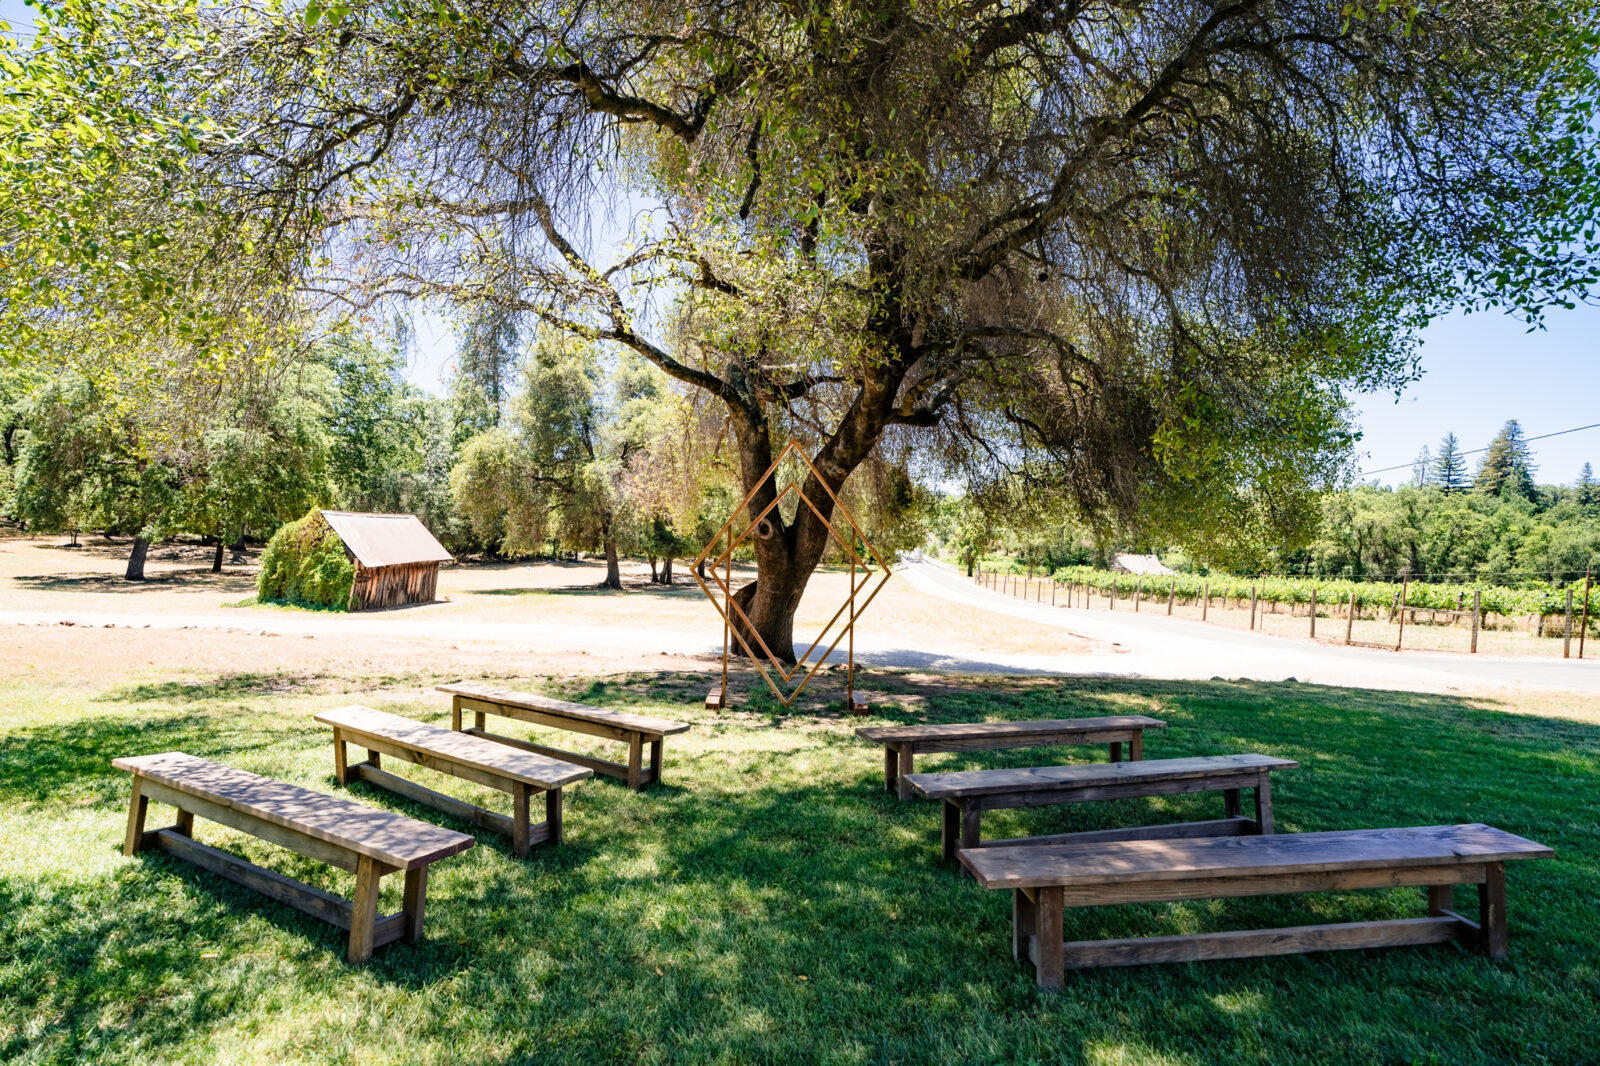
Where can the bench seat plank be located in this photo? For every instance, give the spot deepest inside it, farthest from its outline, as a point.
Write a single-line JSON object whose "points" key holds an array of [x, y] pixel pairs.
{"points": [[392, 839], [540, 771], [953, 784], [623, 720], [1121, 862], [962, 731]]}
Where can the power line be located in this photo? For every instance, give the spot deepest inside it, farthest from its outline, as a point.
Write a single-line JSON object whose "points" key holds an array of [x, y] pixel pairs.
{"points": [[1475, 451]]}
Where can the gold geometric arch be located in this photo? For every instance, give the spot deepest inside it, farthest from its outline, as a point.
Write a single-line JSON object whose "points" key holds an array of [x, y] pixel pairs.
{"points": [[866, 568]]}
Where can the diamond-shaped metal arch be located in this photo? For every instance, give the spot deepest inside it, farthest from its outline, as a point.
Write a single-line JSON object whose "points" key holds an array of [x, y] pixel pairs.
{"points": [[871, 569]]}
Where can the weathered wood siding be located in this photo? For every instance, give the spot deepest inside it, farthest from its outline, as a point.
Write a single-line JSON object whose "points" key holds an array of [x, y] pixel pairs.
{"points": [[393, 586]]}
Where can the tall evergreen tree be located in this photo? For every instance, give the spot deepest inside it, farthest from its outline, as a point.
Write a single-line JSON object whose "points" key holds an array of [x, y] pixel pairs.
{"points": [[1422, 468], [1507, 467], [485, 365], [1449, 466], [1586, 491]]}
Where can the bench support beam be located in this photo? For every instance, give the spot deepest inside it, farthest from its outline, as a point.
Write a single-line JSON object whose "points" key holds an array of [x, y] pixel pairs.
{"points": [[1037, 915], [534, 832]]}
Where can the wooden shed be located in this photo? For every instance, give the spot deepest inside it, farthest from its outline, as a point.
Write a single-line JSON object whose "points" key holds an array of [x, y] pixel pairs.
{"points": [[397, 559]]}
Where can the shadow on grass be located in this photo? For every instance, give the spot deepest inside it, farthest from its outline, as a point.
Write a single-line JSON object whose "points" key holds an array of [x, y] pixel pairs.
{"points": [[200, 580], [775, 903], [221, 687]]}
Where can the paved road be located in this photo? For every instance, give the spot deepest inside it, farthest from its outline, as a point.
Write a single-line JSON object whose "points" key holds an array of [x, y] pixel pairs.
{"points": [[1153, 645]]}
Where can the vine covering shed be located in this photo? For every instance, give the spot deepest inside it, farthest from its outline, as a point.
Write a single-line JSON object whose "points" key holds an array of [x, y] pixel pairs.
{"points": [[397, 559]]}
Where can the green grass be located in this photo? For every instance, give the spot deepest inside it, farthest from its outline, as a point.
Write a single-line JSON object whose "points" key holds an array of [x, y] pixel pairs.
{"points": [[771, 903]]}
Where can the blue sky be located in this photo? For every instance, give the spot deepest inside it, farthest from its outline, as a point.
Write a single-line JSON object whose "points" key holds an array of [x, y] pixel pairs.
{"points": [[1478, 371]]}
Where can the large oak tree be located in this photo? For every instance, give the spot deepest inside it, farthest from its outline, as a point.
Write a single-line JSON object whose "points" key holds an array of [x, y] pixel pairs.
{"points": [[1131, 251]]}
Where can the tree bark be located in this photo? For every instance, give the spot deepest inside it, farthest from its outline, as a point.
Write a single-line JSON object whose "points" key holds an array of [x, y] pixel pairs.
{"points": [[238, 547], [613, 568], [216, 559], [141, 548], [666, 571]]}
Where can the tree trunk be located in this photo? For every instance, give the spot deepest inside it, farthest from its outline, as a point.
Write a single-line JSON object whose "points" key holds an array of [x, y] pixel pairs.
{"points": [[216, 560], [666, 571], [700, 568], [141, 548], [971, 559], [654, 574], [613, 568], [238, 547]]}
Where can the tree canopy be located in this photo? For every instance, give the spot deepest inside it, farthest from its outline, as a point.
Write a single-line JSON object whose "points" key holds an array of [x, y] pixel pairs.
{"points": [[1131, 253]]}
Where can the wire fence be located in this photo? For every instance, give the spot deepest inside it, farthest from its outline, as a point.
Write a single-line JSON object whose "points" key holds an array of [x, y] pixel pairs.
{"points": [[1334, 603]]}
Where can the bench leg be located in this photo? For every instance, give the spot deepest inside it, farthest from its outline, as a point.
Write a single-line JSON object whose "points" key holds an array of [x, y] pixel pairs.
{"points": [[948, 831], [891, 766], [1492, 937], [416, 900], [1136, 745], [907, 754], [184, 826], [480, 720], [552, 814], [363, 911], [374, 759], [138, 806], [657, 757], [1116, 751], [635, 759], [1048, 943], [971, 820], [1231, 807], [519, 820], [455, 713], [341, 758], [1022, 924], [1264, 806]]}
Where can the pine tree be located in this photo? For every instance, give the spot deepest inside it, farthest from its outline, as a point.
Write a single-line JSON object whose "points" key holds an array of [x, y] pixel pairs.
{"points": [[1586, 491], [1421, 468], [1449, 467], [1507, 468], [485, 363]]}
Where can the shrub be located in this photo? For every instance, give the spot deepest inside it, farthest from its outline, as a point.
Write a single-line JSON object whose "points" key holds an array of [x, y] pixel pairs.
{"points": [[305, 564]]}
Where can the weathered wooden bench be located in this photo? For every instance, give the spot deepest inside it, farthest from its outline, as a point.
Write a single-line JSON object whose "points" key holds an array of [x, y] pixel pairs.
{"points": [[966, 794], [635, 730], [521, 773], [902, 743], [1044, 880], [368, 842]]}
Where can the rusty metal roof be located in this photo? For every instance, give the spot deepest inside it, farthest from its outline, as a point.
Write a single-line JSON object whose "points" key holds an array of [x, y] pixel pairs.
{"points": [[386, 539]]}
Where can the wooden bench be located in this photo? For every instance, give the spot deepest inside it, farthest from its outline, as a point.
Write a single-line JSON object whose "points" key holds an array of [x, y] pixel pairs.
{"points": [[968, 793], [635, 730], [368, 842], [1044, 880], [902, 743], [485, 762]]}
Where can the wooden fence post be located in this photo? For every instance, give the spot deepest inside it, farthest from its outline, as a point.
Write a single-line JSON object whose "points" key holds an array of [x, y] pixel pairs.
{"points": [[1111, 594], [1350, 617], [1172, 592], [1252, 605], [1477, 601], [1583, 627], [1138, 590], [1052, 592], [1405, 583], [1313, 612], [1566, 635], [1205, 600]]}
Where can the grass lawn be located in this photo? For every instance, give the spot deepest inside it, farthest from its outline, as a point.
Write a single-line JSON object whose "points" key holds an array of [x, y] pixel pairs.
{"points": [[771, 903]]}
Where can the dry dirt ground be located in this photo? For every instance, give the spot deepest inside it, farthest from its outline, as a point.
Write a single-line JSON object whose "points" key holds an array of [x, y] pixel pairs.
{"points": [[43, 576]]}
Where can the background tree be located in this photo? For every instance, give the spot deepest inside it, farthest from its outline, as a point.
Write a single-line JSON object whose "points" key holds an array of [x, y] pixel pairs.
{"points": [[485, 368], [1450, 466], [1507, 467], [1422, 468], [1586, 491]]}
